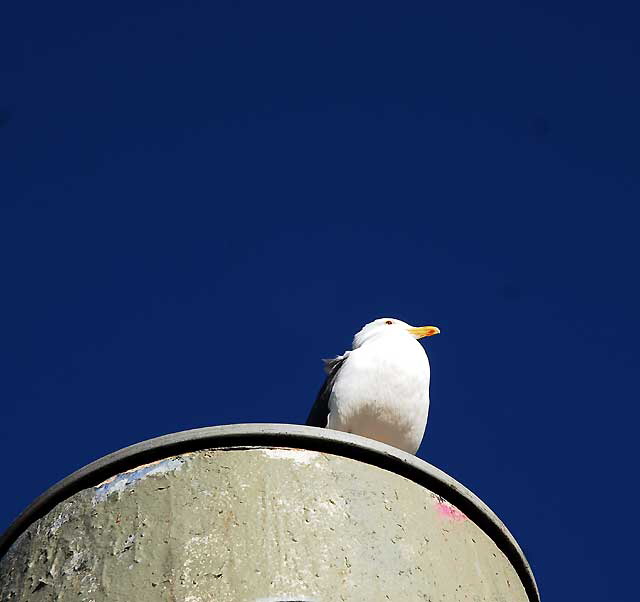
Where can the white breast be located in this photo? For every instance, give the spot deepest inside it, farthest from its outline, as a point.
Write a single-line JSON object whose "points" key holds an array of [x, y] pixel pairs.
{"points": [[382, 392]]}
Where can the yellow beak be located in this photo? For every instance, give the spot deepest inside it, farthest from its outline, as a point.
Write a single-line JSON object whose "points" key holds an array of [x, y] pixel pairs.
{"points": [[424, 331]]}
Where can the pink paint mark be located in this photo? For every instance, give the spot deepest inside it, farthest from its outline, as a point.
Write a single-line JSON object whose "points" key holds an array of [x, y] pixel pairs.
{"points": [[450, 512]]}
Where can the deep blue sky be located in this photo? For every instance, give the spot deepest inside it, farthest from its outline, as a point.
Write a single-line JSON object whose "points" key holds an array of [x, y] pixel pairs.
{"points": [[184, 185]]}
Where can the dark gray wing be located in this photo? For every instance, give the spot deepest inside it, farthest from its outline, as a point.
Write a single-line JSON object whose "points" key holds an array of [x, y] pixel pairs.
{"points": [[319, 413]]}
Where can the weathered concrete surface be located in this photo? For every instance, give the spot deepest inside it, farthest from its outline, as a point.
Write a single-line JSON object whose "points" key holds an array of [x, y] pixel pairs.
{"points": [[249, 525]]}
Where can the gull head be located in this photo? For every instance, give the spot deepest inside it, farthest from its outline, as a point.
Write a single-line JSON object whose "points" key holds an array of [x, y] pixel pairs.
{"points": [[387, 327]]}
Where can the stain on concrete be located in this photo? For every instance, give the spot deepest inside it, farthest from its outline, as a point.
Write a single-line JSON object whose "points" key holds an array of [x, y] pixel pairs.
{"points": [[119, 483]]}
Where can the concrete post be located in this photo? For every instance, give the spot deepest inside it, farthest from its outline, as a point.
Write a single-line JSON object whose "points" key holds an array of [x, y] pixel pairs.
{"points": [[257, 513]]}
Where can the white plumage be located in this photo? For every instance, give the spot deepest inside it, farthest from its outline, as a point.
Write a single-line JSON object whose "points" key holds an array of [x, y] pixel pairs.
{"points": [[379, 389]]}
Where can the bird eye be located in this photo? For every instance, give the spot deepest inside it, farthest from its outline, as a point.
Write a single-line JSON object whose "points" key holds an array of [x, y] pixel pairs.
{"points": [[388, 322]]}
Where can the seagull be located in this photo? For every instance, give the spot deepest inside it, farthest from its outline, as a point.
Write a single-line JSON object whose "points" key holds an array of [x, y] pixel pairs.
{"points": [[379, 389]]}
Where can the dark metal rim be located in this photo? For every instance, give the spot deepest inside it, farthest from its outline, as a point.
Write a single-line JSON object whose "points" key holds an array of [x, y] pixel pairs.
{"points": [[282, 435]]}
